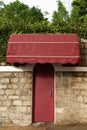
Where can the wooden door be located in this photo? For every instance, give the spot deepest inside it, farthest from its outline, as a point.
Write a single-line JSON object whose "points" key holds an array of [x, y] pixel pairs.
{"points": [[43, 93]]}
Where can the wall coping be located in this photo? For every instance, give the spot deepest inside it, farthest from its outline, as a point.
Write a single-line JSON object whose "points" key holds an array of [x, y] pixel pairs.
{"points": [[30, 68]]}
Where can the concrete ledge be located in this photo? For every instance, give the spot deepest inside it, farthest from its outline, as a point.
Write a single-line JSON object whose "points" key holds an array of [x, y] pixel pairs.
{"points": [[16, 69], [30, 68], [71, 69]]}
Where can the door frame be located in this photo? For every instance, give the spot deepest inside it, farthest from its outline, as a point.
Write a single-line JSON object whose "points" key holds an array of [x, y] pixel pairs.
{"points": [[54, 94]]}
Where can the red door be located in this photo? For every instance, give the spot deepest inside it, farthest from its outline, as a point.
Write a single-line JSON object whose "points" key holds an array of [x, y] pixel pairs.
{"points": [[43, 93]]}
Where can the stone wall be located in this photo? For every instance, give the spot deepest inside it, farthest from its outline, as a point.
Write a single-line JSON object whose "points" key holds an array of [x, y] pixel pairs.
{"points": [[83, 46], [71, 97], [15, 98]]}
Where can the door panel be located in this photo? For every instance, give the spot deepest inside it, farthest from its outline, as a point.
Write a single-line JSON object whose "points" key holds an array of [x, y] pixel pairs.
{"points": [[43, 93]]}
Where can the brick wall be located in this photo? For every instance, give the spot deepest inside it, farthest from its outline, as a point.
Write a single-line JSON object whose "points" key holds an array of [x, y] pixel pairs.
{"points": [[15, 98]]}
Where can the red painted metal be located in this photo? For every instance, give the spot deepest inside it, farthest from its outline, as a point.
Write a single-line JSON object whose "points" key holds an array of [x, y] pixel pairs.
{"points": [[43, 48], [43, 93]]}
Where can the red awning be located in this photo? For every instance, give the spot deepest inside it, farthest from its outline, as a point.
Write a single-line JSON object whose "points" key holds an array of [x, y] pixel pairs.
{"points": [[43, 48]]}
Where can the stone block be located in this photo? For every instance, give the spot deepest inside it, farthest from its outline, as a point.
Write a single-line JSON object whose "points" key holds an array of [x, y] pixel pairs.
{"points": [[25, 97], [85, 99], [17, 102], [3, 86], [76, 92], [60, 110], [59, 92], [14, 80], [77, 79], [3, 109], [26, 103], [75, 85], [83, 86], [21, 74], [2, 92], [83, 106], [10, 92], [28, 86], [24, 92], [22, 109], [5, 81], [6, 103], [0, 102], [26, 116], [17, 92], [26, 74], [83, 92], [80, 99], [24, 80], [85, 79], [14, 86], [13, 97], [29, 110], [8, 74], [60, 103], [16, 74], [2, 97], [4, 114]]}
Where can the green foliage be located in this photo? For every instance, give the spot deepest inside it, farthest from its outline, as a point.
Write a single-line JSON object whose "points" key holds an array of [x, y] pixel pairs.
{"points": [[78, 18], [60, 18], [35, 15], [82, 5], [17, 17]]}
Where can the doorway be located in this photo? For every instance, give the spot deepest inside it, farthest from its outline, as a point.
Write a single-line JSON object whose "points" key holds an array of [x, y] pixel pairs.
{"points": [[43, 93]]}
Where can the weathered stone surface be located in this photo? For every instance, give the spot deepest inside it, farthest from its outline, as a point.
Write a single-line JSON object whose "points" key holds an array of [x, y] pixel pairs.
{"points": [[14, 80], [22, 109], [26, 103], [15, 98], [5, 81], [3, 109], [77, 80], [71, 98], [12, 86], [83, 60], [85, 79], [10, 92], [17, 102], [29, 110], [2, 92], [3, 86], [8, 74], [3, 97], [6, 103]]}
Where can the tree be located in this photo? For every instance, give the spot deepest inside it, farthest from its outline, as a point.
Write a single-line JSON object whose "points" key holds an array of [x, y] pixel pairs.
{"points": [[60, 18], [78, 17], [17, 15], [81, 5], [35, 15]]}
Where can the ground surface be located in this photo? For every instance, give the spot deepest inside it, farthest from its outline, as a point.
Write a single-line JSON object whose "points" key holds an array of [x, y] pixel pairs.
{"points": [[47, 127]]}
